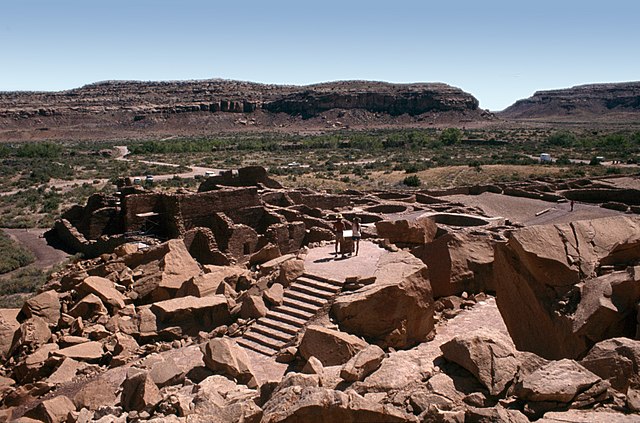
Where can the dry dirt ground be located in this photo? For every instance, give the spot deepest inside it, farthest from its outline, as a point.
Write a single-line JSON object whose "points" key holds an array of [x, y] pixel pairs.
{"points": [[523, 210], [46, 255]]}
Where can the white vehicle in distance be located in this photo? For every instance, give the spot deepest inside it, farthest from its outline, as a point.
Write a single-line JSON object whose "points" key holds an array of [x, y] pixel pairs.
{"points": [[545, 158], [148, 179], [209, 174], [137, 181]]}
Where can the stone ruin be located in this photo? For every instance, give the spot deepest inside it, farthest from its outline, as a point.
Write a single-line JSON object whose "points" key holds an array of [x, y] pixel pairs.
{"points": [[226, 305]]}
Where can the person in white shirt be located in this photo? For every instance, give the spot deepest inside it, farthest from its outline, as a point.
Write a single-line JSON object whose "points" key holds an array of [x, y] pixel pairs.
{"points": [[355, 228]]}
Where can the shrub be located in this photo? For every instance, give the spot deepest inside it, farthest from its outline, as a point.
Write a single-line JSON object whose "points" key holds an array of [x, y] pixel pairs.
{"points": [[450, 136], [561, 139], [412, 181], [12, 255]]}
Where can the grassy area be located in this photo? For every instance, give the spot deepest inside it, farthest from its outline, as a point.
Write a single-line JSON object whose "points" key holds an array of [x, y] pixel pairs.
{"points": [[12, 255]]}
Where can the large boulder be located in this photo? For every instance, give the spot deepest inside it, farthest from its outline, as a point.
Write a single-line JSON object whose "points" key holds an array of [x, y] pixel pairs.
{"points": [[8, 326], [87, 351], [30, 335], [317, 405], [208, 283], [193, 313], [617, 361], [488, 355], [103, 289], [45, 305], [561, 383], [225, 356], [551, 290], [165, 268], [420, 231], [329, 346], [458, 262], [54, 410], [396, 310], [139, 392], [362, 364]]}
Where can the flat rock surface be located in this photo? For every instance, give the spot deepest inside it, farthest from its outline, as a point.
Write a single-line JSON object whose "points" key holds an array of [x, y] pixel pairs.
{"points": [[323, 261], [523, 210]]}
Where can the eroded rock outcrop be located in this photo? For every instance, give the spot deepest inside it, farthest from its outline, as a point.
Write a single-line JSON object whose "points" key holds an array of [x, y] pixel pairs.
{"points": [[396, 310], [551, 291]]}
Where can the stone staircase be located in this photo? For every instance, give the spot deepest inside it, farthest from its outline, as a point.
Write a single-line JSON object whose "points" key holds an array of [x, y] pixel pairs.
{"points": [[302, 300]]}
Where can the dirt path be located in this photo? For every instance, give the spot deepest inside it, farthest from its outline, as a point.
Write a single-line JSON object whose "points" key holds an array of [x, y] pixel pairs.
{"points": [[123, 152], [32, 239]]}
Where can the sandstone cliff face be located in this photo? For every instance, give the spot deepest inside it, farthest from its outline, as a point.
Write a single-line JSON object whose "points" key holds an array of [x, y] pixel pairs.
{"points": [[413, 99], [583, 100], [237, 97]]}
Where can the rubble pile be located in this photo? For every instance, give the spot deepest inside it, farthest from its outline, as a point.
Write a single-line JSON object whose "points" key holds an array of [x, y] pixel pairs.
{"points": [[214, 313]]}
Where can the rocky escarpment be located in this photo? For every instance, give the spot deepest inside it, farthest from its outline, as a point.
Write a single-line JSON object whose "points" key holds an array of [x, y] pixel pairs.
{"points": [[238, 97], [583, 100], [413, 99]]}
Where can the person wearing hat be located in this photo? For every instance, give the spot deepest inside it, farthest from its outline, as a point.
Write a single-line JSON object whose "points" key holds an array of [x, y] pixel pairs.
{"points": [[357, 234], [338, 227]]}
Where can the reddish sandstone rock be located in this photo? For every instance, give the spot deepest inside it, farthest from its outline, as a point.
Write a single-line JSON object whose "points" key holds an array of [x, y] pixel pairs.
{"points": [[88, 307], [54, 410], [45, 305], [318, 405], [266, 253], [165, 268], [617, 361], [207, 284], [362, 364], [329, 346], [274, 295], [192, 312], [489, 356], [8, 326], [459, 262], [139, 392], [421, 231], [548, 290], [396, 310], [87, 351], [225, 356], [253, 307], [31, 334], [560, 382], [103, 289], [290, 270]]}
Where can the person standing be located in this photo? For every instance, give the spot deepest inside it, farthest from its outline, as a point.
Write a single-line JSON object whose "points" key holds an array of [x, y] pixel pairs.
{"points": [[572, 203], [356, 233], [338, 228]]}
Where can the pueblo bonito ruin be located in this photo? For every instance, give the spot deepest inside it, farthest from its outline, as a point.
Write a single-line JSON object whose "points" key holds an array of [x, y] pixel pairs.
{"points": [[241, 299]]}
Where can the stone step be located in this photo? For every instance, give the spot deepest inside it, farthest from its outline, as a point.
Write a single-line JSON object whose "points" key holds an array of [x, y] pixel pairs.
{"points": [[279, 325], [307, 289], [263, 340], [323, 279], [294, 311], [300, 305], [306, 298], [271, 332], [324, 286], [254, 346], [286, 318]]}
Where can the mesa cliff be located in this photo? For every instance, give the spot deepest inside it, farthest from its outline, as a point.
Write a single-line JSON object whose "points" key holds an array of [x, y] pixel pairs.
{"points": [[129, 109], [580, 101]]}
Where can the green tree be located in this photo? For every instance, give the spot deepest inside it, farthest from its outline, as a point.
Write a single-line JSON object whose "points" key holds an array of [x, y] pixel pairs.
{"points": [[412, 181], [451, 136]]}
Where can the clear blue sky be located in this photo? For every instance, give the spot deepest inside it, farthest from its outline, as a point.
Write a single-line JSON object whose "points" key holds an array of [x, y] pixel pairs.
{"points": [[497, 50]]}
